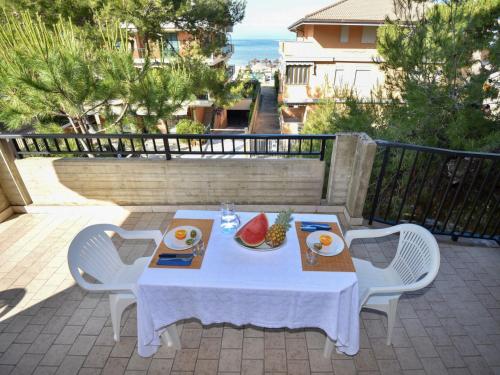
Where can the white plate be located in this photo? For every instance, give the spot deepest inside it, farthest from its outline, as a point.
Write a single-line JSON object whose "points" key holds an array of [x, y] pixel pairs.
{"points": [[173, 243], [335, 248]]}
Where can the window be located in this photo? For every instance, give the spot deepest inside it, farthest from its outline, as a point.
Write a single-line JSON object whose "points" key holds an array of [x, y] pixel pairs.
{"points": [[369, 35], [170, 44], [344, 34], [364, 82], [297, 74]]}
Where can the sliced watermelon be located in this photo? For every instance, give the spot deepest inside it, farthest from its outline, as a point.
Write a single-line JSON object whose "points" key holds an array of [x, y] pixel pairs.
{"points": [[253, 233]]}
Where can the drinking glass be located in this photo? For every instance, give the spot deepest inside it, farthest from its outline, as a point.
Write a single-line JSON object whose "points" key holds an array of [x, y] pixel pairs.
{"points": [[229, 220], [311, 257], [199, 249]]}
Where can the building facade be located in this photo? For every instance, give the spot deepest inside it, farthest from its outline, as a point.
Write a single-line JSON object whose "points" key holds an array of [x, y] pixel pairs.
{"points": [[335, 48], [174, 42]]}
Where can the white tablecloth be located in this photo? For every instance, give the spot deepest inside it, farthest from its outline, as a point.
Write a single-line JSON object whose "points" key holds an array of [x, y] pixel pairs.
{"points": [[239, 286]]}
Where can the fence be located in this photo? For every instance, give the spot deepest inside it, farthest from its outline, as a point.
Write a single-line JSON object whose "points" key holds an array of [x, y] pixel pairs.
{"points": [[168, 170], [449, 192], [166, 146]]}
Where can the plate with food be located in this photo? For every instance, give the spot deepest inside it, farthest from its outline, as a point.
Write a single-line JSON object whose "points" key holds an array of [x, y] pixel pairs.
{"points": [[325, 243], [182, 238], [258, 235]]}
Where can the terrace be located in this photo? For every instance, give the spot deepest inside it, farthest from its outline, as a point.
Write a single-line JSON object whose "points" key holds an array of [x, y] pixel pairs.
{"points": [[312, 51], [49, 325]]}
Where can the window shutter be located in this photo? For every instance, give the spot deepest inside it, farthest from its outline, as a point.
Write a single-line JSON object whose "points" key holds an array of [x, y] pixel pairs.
{"points": [[344, 34], [369, 35]]}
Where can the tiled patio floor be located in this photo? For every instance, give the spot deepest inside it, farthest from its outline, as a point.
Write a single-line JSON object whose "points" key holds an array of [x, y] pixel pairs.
{"points": [[50, 326]]}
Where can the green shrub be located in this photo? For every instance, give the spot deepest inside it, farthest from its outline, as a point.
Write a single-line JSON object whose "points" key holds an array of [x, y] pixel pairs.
{"points": [[187, 126]]}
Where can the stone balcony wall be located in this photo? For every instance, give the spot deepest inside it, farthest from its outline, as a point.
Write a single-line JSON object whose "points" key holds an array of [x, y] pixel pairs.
{"points": [[259, 182], [129, 182]]}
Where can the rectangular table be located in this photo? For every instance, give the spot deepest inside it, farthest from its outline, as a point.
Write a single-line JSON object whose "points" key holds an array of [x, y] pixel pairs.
{"points": [[239, 286]]}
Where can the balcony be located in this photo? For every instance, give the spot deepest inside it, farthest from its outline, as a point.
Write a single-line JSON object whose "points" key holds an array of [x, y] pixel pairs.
{"points": [[50, 325], [311, 51], [225, 54]]}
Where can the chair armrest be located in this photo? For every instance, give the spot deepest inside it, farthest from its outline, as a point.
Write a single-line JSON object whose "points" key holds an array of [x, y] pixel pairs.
{"points": [[155, 235], [397, 289], [370, 233], [92, 287], [129, 288]]}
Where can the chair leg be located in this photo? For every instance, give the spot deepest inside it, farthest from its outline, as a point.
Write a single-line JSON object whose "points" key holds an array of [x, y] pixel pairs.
{"points": [[118, 303], [171, 336], [329, 346], [391, 318]]}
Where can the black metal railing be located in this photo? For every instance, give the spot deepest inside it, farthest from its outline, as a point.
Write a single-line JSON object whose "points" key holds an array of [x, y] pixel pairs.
{"points": [[449, 192], [166, 146]]}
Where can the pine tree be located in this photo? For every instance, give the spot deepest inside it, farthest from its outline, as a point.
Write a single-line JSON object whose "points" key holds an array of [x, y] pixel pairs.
{"points": [[439, 70], [206, 21], [50, 73]]}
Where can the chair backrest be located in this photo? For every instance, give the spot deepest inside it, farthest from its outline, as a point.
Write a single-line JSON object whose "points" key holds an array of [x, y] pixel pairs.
{"points": [[417, 255], [93, 252]]}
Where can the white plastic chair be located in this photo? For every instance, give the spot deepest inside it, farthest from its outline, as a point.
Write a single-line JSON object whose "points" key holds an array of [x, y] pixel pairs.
{"points": [[93, 252], [414, 267]]}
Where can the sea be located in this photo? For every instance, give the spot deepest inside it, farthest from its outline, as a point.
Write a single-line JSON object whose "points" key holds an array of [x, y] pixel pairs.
{"points": [[246, 50]]}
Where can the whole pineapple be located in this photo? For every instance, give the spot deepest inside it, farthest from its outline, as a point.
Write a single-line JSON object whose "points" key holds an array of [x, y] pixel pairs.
{"points": [[276, 234]]}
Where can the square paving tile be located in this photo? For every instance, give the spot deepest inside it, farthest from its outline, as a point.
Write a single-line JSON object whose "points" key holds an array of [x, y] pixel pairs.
{"points": [[451, 327]]}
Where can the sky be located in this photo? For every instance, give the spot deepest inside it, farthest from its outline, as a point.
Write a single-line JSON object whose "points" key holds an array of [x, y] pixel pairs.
{"points": [[269, 19]]}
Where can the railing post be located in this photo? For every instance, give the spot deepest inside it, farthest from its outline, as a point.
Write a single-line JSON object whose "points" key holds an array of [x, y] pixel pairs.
{"points": [[323, 148], [168, 155], [343, 152], [360, 178], [10, 179], [16, 149], [352, 161]]}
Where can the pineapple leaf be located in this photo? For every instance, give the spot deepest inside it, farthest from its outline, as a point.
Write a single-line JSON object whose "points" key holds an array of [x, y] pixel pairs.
{"points": [[284, 218]]}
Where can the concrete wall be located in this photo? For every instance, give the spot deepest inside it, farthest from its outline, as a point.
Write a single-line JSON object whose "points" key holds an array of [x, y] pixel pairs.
{"points": [[328, 36], [351, 167], [31, 183], [220, 121], [11, 181], [4, 202], [328, 77], [255, 114], [12, 189], [54, 181], [199, 114]]}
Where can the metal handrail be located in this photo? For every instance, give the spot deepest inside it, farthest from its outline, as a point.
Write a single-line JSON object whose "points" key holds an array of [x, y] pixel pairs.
{"points": [[103, 145], [173, 136], [437, 150], [455, 193]]}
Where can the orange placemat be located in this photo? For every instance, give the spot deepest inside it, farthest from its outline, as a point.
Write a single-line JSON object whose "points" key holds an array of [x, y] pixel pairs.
{"points": [[206, 229], [337, 263]]}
